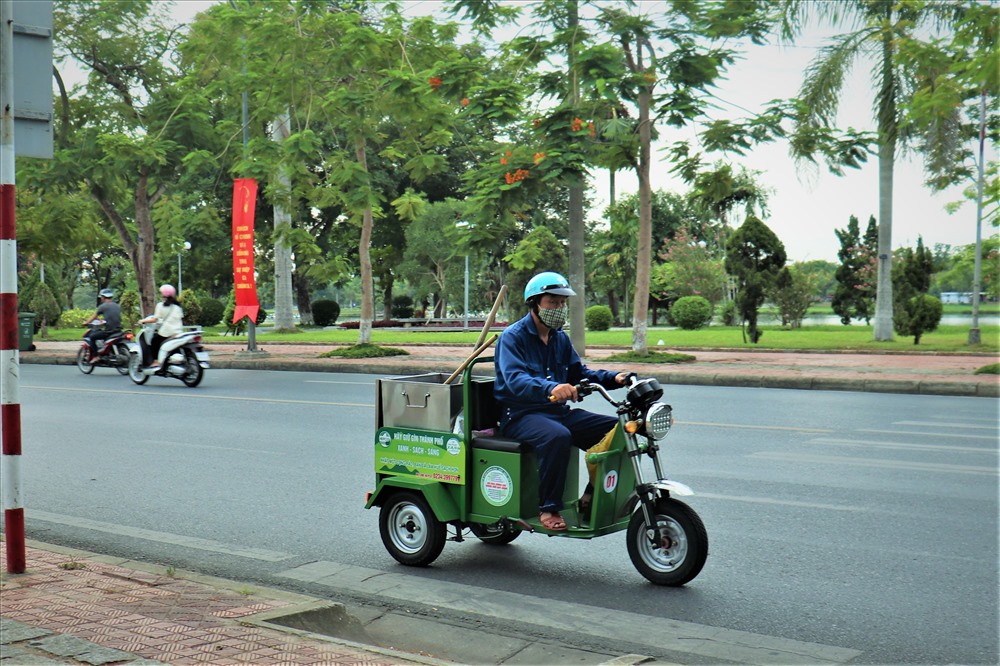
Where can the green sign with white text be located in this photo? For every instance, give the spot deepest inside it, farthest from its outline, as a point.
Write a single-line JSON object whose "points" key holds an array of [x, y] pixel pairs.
{"points": [[427, 454]]}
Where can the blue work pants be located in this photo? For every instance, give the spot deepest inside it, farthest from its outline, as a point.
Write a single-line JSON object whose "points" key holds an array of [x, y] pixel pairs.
{"points": [[552, 433]]}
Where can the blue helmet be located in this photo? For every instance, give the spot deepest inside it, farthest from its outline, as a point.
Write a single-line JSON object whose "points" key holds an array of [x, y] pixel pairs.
{"points": [[547, 283]]}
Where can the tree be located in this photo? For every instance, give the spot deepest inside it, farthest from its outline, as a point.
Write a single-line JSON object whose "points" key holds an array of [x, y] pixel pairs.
{"points": [[854, 295], [433, 245], [136, 127], [754, 257], [689, 268], [914, 311], [793, 292], [881, 25]]}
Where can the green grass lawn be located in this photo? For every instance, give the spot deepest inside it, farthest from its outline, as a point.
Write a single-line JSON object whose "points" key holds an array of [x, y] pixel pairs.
{"points": [[947, 338]]}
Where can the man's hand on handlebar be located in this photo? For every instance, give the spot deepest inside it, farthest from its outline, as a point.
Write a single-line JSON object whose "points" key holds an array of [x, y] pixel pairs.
{"points": [[564, 392]]}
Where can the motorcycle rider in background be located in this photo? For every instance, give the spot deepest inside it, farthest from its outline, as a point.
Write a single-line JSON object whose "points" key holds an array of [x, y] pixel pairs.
{"points": [[170, 317], [111, 313]]}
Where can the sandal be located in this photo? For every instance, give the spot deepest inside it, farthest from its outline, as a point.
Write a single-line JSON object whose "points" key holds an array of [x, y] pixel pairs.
{"points": [[552, 521]]}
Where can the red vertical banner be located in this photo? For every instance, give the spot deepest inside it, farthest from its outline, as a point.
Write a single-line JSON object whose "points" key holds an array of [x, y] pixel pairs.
{"points": [[244, 282]]}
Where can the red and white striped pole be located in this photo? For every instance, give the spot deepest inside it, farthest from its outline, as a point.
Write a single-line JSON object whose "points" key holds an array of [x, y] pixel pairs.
{"points": [[10, 407]]}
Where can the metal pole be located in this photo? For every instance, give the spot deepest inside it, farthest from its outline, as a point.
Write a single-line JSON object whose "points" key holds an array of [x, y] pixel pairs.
{"points": [[10, 407], [975, 337], [180, 285], [465, 324]]}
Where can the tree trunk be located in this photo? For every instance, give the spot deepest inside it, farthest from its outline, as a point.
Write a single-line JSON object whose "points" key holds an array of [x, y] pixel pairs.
{"points": [[577, 265], [301, 285], [643, 257], [364, 254], [284, 319], [886, 164]]}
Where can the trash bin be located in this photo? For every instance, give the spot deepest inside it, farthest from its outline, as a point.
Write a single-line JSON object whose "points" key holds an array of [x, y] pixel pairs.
{"points": [[25, 331]]}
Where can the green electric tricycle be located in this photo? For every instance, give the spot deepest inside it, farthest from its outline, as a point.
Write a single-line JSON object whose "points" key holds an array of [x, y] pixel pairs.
{"points": [[439, 463]]}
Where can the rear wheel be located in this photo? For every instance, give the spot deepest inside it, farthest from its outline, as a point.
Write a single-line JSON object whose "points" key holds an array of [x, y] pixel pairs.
{"points": [[81, 360], [193, 372], [674, 550], [497, 534], [409, 530], [121, 358], [135, 372]]}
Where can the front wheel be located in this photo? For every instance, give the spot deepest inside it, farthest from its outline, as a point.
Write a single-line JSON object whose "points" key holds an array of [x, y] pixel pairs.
{"points": [[121, 358], [674, 551], [193, 372], [410, 532], [497, 534], [135, 372], [81, 360]]}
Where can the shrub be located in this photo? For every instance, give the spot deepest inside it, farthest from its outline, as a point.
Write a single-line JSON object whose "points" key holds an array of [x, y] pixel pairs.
{"points": [[74, 318], [918, 315], [43, 303], [730, 314], [191, 306], [402, 307], [130, 304], [598, 318], [378, 323], [212, 310], [325, 312], [691, 312]]}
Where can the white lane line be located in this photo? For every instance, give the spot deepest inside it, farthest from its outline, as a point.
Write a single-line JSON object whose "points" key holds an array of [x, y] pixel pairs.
{"points": [[202, 396], [945, 424], [866, 443], [877, 463], [160, 537], [754, 427], [924, 433], [714, 643], [777, 502]]}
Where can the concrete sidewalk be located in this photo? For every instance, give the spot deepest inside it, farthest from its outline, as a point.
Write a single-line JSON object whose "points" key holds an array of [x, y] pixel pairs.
{"points": [[926, 373]]}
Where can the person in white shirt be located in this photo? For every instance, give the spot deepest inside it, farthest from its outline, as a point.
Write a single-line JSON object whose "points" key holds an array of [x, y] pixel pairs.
{"points": [[170, 316]]}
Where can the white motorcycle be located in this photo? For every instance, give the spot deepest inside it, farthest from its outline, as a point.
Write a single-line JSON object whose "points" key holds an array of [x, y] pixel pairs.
{"points": [[184, 357]]}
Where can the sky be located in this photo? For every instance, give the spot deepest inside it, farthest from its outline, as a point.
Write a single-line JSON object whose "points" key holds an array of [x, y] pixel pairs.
{"points": [[807, 203]]}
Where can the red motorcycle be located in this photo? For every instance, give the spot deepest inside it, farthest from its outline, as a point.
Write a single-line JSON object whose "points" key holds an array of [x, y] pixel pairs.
{"points": [[112, 352]]}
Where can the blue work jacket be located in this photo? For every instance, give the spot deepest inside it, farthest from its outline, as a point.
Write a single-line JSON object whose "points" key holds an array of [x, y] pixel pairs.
{"points": [[527, 369]]}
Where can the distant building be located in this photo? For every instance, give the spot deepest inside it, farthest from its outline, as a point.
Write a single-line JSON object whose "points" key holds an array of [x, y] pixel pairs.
{"points": [[961, 297]]}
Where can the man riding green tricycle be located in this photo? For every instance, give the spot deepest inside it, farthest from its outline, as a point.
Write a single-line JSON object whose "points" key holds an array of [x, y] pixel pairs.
{"points": [[498, 456]]}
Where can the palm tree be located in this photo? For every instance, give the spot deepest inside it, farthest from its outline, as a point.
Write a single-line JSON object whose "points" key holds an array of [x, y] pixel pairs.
{"points": [[876, 26]]}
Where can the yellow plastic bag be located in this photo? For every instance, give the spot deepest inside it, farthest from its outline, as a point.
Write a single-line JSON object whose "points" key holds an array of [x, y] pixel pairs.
{"points": [[602, 445]]}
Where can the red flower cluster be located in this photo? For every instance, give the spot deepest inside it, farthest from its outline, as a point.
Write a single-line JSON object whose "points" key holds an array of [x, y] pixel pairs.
{"points": [[576, 125], [465, 101], [435, 82], [539, 157], [520, 174]]}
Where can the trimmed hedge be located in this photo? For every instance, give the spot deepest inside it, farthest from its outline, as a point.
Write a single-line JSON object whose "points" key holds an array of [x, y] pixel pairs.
{"points": [[598, 318], [691, 312]]}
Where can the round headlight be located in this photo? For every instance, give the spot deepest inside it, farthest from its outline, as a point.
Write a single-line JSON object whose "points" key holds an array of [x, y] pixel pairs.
{"points": [[659, 418]]}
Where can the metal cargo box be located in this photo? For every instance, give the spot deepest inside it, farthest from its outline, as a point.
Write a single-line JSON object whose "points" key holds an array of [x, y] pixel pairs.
{"points": [[421, 401]]}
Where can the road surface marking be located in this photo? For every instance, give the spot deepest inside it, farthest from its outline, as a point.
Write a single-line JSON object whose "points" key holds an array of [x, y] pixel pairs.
{"points": [[160, 537], [877, 463], [202, 396]]}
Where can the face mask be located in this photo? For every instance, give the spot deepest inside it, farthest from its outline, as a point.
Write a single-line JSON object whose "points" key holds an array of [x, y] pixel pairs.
{"points": [[554, 319]]}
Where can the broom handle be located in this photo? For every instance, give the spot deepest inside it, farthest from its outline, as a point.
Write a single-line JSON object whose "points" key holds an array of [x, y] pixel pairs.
{"points": [[479, 350], [492, 316]]}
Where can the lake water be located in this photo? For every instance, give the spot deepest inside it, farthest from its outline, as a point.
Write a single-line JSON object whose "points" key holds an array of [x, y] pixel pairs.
{"points": [[946, 320]]}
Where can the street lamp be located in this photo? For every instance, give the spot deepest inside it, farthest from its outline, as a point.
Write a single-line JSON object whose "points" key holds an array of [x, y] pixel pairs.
{"points": [[185, 248], [462, 224]]}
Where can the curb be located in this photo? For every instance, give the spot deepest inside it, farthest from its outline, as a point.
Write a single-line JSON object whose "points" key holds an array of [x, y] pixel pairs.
{"points": [[275, 362]]}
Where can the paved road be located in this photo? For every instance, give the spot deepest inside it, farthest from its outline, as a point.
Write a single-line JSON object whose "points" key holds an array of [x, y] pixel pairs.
{"points": [[844, 526]]}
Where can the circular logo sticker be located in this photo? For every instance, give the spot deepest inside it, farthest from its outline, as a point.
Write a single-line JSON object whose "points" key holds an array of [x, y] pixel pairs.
{"points": [[453, 446], [611, 481], [384, 438], [497, 486]]}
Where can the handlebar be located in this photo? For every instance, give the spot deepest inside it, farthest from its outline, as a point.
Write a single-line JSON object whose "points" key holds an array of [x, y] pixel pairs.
{"points": [[585, 388]]}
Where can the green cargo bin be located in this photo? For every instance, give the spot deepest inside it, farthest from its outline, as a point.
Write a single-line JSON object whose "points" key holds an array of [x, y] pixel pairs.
{"points": [[25, 331]]}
